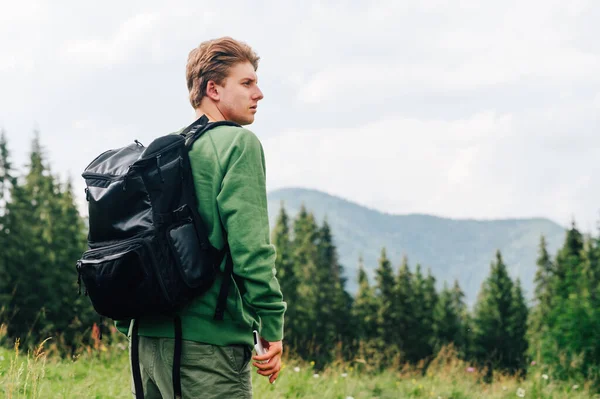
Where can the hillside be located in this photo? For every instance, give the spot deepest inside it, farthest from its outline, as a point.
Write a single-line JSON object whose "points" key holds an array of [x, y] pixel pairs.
{"points": [[453, 249]]}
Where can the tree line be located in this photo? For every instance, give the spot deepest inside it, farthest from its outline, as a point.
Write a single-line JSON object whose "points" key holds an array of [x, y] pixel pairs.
{"points": [[41, 237], [400, 316]]}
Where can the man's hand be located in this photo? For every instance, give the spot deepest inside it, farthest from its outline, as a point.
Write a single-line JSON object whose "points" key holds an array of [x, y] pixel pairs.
{"points": [[273, 355]]}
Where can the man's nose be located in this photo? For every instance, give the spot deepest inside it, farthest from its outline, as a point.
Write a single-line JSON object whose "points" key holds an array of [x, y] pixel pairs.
{"points": [[259, 94]]}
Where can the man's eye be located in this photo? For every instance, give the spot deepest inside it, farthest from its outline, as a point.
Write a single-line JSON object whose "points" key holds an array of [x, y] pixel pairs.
{"points": [[246, 83]]}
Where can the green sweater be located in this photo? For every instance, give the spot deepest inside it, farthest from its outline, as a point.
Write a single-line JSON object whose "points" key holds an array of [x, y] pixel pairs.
{"points": [[228, 166]]}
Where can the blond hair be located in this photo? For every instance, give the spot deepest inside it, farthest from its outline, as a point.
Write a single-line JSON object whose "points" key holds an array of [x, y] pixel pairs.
{"points": [[211, 60]]}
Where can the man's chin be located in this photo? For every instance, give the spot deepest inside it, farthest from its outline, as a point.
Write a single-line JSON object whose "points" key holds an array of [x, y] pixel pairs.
{"points": [[245, 121]]}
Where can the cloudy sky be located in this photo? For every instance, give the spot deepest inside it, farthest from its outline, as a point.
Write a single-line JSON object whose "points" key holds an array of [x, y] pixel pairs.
{"points": [[464, 109]]}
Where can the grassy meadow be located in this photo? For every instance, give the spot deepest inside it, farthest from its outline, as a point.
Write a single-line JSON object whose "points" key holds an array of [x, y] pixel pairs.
{"points": [[103, 372]]}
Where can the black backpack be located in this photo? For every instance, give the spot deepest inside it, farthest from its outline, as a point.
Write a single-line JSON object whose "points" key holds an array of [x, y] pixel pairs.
{"points": [[149, 251]]}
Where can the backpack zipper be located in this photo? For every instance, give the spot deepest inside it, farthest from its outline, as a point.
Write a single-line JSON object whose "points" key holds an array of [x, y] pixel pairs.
{"points": [[118, 244], [92, 175], [114, 256]]}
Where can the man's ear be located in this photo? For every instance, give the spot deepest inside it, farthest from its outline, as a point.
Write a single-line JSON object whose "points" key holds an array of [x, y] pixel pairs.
{"points": [[212, 91]]}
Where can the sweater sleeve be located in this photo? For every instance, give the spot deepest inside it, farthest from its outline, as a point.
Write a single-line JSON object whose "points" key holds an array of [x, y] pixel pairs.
{"points": [[242, 203]]}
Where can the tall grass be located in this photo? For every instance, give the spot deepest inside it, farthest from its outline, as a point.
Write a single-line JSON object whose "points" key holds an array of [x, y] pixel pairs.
{"points": [[100, 370]]}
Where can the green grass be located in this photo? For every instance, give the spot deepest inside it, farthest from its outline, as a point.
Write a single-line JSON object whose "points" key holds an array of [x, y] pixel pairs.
{"points": [[104, 373]]}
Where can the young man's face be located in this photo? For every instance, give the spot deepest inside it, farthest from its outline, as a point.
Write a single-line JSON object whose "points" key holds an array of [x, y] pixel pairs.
{"points": [[239, 95]]}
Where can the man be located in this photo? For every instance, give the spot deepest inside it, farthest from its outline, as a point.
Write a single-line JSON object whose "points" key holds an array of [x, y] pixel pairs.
{"points": [[228, 167]]}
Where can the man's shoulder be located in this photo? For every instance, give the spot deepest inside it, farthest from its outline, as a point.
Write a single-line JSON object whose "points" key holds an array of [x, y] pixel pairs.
{"points": [[228, 135]]}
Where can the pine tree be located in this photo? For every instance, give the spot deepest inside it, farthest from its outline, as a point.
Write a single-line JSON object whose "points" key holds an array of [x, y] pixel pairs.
{"points": [[517, 330], [448, 319], [337, 302], [7, 181], [364, 310], [543, 296], [571, 337], [305, 270], [591, 266], [406, 324], [333, 310], [492, 318], [592, 276], [6, 173], [424, 300], [45, 238], [284, 264], [464, 340], [385, 291], [543, 281], [569, 262], [28, 263]]}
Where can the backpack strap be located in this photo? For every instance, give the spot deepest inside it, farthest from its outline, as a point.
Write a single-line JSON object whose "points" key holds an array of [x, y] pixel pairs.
{"points": [[135, 361], [193, 133], [203, 120], [177, 358], [222, 298], [199, 127]]}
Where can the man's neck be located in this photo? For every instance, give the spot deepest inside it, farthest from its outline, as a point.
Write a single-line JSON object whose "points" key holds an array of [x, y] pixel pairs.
{"points": [[211, 111]]}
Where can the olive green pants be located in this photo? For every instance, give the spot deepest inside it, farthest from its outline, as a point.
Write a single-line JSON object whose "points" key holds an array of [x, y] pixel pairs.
{"points": [[207, 371]]}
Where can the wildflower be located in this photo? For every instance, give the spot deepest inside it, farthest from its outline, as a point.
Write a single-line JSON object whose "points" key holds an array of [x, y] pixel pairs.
{"points": [[316, 375], [1, 358], [533, 363], [521, 393], [344, 375], [296, 369], [545, 376], [312, 363], [470, 369], [575, 386], [504, 388]]}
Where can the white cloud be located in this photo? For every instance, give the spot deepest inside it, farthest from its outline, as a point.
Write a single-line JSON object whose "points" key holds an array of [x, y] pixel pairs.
{"points": [[450, 48], [478, 167], [133, 34], [464, 109], [408, 160], [596, 102]]}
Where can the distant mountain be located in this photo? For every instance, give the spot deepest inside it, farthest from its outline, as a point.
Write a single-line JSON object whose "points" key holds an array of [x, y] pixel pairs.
{"points": [[454, 249]]}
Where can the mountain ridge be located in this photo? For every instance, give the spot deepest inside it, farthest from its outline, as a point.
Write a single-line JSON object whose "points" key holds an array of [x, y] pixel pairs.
{"points": [[452, 248], [367, 207]]}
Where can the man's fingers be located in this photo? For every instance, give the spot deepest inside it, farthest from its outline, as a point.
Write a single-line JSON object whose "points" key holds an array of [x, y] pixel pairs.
{"points": [[273, 350], [274, 377], [271, 367], [266, 366]]}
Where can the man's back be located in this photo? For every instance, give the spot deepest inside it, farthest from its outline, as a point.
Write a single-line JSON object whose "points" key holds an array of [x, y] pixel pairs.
{"points": [[229, 176]]}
